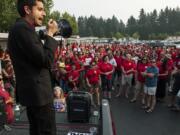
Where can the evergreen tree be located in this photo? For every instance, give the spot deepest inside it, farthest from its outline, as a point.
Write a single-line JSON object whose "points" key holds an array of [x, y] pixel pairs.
{"points": [[131, 25], [48, 4], [8, 14], [55, 15], [142, 25]]}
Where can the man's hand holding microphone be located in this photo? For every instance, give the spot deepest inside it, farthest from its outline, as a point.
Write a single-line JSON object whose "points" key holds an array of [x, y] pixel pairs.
{"points": [[52, 28]]}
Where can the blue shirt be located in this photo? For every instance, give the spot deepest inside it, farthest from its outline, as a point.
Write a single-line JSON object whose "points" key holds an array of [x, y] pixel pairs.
{"points": [[152, 81]]}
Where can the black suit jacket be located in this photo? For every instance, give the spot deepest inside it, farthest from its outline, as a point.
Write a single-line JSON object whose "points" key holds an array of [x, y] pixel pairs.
{"points": [[32, 61]]}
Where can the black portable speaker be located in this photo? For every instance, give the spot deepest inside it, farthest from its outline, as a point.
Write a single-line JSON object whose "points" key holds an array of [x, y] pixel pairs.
{"points": [[78, 106]]}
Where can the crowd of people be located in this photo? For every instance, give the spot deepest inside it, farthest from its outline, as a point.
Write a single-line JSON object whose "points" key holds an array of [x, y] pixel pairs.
{"points": [[150, 73], [138, 72], [7, 88]]}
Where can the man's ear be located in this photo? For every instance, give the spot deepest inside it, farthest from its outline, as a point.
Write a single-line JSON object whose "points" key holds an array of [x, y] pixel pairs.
{"points": [[27, 10]]}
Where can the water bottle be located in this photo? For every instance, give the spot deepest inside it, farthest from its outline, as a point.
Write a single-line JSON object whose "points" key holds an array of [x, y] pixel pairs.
{"points": [[17, 112], [95, 119]]}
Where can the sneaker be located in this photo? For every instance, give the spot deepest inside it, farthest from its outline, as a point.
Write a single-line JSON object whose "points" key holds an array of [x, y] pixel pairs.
{"points": [[149, 110], [171, 106], [118, 95], [132, 100]]}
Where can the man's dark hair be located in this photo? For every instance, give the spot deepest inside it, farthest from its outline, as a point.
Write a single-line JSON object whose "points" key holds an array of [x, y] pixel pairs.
{"points": [[22, 3]]}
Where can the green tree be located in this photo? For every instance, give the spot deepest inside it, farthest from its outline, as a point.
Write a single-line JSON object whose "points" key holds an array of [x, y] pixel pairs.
{"points": [[8, 14], [163, 22], [118, 35], [72, 21], [108, 28], [162, 36], [115, 24], [82, 26], [151, 25], [101, 27], [152, 36], [131, 25], [136, 35], [55, 15], [142, 22], [153, 22], [122, 26], [92, 26], [177, 34], [48, 4]]}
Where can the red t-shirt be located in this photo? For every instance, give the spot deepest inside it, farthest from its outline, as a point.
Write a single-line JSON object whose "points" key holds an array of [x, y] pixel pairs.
{"points": [[119, 62], [128, 65], [93, 75], [99, 63], [106, 67], [73, 75], [158, 52], [162, 70], [173, 55], [68, 68], [8, 107], [82, 59], [170, 66], [141, 67], [78, 65]]}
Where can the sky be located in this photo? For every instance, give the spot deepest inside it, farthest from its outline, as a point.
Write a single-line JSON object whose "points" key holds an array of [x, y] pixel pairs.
{"points": [[122, 9]]}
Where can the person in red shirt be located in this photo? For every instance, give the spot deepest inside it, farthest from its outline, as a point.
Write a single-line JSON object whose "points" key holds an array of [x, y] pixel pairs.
{"points": [[128, 70], [177, 61], [106, 75], [81, 61], [118, 59], [97, 60], [94, 81], [73, 78], [88, 59], [170, 68], [65, 73], [139, 88], [8, 102], [61, 73], [8, 77], [118, 71], [81, 58], [174, 55], [162, 79], [175, 87]]}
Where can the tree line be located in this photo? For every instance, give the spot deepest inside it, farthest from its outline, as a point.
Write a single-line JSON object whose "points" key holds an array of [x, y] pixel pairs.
{"points": [[151, 25]]}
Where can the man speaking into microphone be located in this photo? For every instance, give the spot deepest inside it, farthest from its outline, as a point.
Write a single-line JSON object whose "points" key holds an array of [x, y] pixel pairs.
{"points": [[32, 61]]}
